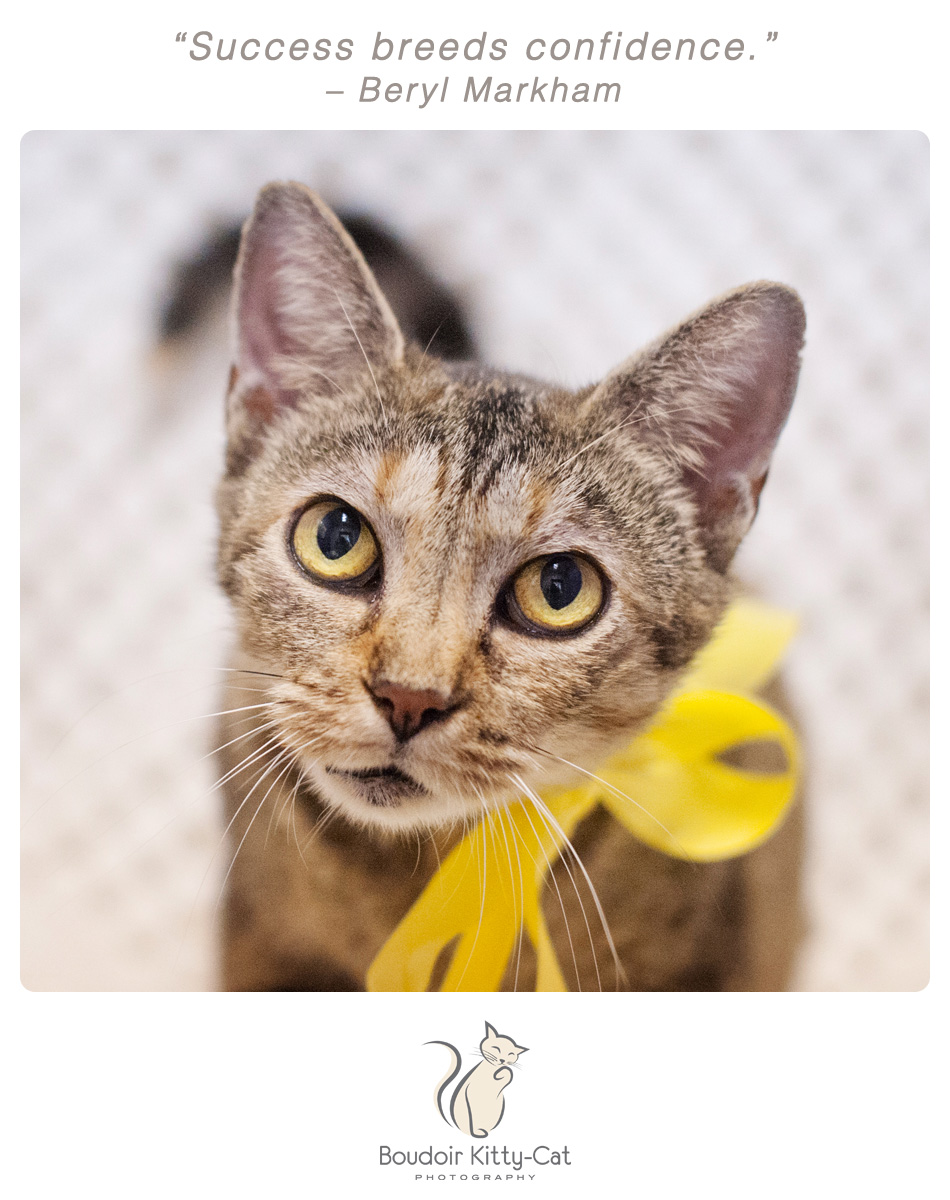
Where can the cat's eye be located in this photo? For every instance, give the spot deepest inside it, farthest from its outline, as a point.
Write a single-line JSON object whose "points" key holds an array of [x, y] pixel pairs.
{"points": [[560, 593], [335, 544]]}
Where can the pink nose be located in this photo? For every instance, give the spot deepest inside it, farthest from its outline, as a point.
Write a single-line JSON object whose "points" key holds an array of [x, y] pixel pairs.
{"points": [[409, 710]]}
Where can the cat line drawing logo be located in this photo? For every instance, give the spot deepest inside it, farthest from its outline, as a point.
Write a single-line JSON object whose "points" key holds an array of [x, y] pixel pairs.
{"points": [[474, 1103], [477, 1103]]}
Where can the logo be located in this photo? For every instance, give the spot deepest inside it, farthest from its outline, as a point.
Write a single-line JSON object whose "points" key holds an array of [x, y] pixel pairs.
{"points": [[473, 1102], [477, 1104]]}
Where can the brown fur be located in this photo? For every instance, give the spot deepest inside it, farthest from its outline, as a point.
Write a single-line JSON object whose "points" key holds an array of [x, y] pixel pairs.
{"points": [[464, 476]]}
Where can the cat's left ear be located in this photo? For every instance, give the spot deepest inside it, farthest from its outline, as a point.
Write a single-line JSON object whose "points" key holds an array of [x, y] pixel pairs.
{"points": [[712, 396], [308, 314], [522, 1049]]}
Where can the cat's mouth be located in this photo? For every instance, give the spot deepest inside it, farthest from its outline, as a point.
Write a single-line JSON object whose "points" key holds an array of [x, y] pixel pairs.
{"points": [[381, 786]]}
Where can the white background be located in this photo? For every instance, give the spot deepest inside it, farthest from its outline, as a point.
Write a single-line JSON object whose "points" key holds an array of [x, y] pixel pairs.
{"points": [[198, 1093]]}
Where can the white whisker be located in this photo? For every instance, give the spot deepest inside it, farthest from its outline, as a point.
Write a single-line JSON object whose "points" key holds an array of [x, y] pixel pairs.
{"points": [[483, 882], [362, 351], [621, 796], [505, 813], [290, 762], [546, 813], [123, 816], [124, 745], [550, 876], [248, 761]]}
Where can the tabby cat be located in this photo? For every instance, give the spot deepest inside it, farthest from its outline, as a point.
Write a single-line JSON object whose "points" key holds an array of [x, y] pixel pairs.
{"points": [[449, 581]]}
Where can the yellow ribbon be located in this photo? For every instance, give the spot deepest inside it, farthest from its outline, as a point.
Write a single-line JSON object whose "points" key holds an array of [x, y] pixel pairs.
{"points": [[668, 787]]}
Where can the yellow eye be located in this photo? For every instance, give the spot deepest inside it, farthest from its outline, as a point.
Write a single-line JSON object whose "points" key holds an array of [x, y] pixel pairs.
{"points": [[558, 594], [333, 542]]}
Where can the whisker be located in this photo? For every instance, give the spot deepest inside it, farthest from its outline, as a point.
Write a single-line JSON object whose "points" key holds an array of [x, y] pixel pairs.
{"points": [[483, 882], [116, 692], [415, 866], [544, 813], [309, 369], [289, 755], [435, 847], [487, 820], [247, 671], [277, 815], [362, 351], [70, 860], [557, 890], [636, 418], [432, 339], [247, 762], [505, 814], [319, 825], [622, 796], [124, 745], [293, 818], [547, 814]]}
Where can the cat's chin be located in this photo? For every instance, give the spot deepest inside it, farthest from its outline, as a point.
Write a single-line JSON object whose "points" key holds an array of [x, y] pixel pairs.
{"points": [[386, 798], [390, 799]]}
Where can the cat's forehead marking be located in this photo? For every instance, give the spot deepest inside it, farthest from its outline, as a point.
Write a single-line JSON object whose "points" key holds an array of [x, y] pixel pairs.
{"points": [[428, 485], [402, 480], [418, 487]]}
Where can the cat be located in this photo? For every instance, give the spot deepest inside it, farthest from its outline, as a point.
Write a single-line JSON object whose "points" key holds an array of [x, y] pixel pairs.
{"points": [[452, 584], [477, 1104]]}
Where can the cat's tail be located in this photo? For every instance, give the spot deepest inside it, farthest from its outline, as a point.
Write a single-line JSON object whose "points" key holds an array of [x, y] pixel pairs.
{"points": [[446, 1079]]}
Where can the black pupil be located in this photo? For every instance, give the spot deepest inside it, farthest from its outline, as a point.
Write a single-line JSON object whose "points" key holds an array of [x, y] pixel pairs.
{"points": [[561, 581], [338, 532]]}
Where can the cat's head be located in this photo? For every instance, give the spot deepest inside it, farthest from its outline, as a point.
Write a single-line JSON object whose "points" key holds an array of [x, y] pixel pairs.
{"points": [[468, 579], [499, 1050]]}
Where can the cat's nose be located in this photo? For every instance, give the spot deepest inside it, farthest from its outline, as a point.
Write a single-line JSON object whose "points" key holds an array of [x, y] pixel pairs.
{"points": [[409, 710]]}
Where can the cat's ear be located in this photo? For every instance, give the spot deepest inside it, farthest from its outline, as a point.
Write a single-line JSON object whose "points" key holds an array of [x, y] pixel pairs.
{"points": [[308, 314], [522, 1049], [489, 1032], [713, 395]]}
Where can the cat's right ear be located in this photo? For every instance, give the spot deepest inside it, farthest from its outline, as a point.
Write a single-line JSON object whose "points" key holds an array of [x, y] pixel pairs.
{"points": [[308, 315], [712, 396]]}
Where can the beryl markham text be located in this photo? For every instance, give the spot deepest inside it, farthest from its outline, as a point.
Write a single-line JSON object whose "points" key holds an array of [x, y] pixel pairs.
{"points": [[488, 89]]}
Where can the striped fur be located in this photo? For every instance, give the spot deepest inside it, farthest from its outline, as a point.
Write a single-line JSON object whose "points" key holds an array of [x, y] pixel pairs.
{"points": [[465, 474]]}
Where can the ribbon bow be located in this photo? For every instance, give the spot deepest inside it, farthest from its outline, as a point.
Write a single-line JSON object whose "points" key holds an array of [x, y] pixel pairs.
{"points": [[669, 787]]}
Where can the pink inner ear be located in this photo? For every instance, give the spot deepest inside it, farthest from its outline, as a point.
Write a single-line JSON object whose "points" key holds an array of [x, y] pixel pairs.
{"points": [[751, 382], [261, 338], [760, 405], [308, 310]]}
